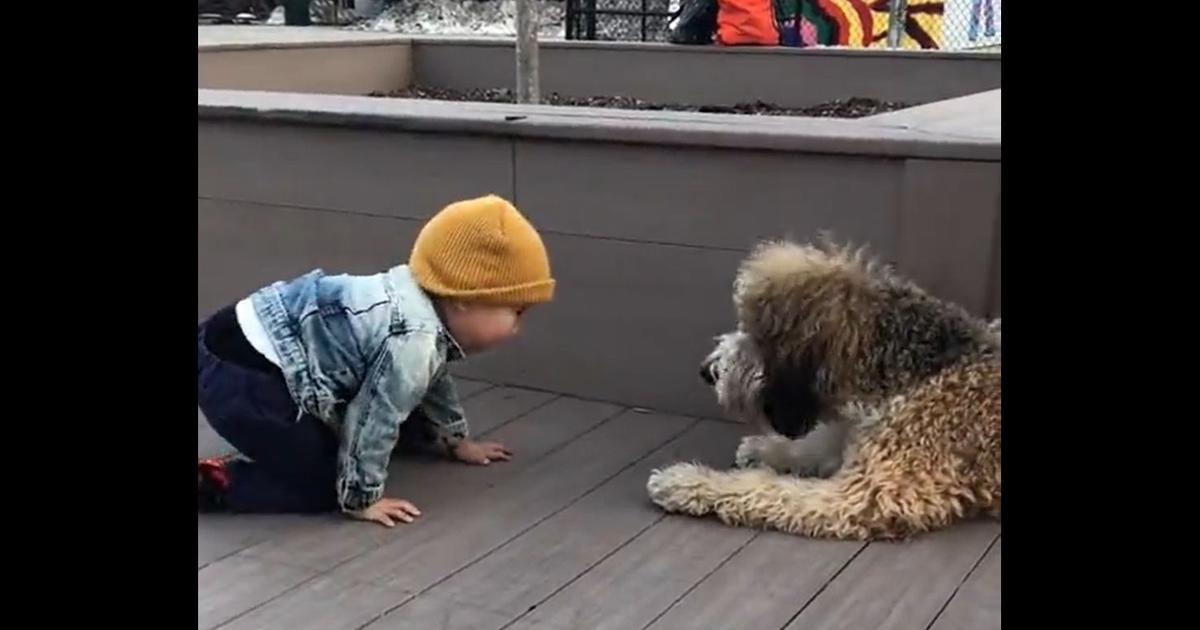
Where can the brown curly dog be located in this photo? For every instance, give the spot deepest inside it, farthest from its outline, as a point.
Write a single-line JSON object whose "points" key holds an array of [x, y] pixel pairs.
{"points": [[880, 403]]}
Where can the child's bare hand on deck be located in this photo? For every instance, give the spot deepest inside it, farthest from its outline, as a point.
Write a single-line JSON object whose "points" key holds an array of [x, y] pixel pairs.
{"points": [[481, 453], [388, 511]]}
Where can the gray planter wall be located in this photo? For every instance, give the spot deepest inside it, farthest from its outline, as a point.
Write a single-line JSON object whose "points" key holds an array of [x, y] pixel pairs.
{"points": [[644, 237]]}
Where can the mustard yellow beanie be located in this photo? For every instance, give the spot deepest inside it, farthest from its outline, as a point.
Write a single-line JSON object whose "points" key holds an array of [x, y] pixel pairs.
{"points": [[482, 250]]}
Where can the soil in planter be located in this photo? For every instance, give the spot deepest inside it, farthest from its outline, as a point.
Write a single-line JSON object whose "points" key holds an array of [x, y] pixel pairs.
{"points": [[845, 108]]}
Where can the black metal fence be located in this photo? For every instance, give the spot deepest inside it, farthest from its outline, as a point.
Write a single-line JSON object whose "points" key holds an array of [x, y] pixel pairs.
{"points": [[618, 20], [927, 24]]}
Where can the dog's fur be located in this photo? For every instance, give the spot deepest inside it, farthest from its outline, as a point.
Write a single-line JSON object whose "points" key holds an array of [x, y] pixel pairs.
{"points": [[895, 394]]}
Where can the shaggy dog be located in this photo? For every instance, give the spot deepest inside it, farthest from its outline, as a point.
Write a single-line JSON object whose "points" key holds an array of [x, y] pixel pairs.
{"points": [[895, 394]]}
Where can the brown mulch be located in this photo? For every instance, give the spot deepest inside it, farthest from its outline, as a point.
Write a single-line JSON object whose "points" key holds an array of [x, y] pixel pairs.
{"points": [[842, 108]]}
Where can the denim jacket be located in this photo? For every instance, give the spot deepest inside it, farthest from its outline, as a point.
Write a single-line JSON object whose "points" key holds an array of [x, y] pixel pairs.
{"points": [[361, 353]]}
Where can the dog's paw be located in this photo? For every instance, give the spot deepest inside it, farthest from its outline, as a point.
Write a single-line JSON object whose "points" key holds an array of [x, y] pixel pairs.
{"points": [[821, 468], [751, 452], [784, 456], [679, 488]]}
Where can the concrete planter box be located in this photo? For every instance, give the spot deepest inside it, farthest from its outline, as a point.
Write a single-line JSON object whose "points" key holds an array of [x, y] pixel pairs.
{"points": [[646, 214], [304, 60]]}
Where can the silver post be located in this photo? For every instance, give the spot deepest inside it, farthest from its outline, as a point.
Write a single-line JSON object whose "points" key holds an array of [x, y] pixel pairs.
{"points": [[528, 90], [897, 14]]}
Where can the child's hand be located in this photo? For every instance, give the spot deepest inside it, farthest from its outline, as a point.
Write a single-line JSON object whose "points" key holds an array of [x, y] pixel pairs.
{"points": [[481, 453], [384, 511]]}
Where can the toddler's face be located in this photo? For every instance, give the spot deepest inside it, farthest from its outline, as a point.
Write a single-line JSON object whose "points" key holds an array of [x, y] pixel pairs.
{"points": [[480, 327]]}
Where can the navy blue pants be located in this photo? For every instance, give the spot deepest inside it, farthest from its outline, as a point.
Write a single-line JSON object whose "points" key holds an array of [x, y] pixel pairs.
{"points": [[294, 456]]}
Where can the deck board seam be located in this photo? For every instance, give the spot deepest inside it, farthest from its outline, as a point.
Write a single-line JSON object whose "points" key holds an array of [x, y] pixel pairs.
{"points": [[700, 581], [565, 506], [489, 386], [332, 568], [582, 573], [523, 414], [966, 577], [825, 586]]}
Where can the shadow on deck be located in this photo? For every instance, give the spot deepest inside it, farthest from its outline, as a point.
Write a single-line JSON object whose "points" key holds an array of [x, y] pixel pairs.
{"points": [[563, 537]]}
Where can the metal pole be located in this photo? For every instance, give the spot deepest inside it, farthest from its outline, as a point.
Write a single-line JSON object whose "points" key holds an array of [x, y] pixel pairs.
{"points": [[897, 14], [527, 53], [296, 13], [643, 20], [570, 20]]}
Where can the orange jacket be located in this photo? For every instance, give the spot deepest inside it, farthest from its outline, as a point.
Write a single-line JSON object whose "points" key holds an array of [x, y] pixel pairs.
{"points": [[746, 23]]}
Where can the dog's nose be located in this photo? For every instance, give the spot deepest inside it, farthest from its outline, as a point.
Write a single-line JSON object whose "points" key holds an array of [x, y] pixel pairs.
{"points": [[706, 374]]}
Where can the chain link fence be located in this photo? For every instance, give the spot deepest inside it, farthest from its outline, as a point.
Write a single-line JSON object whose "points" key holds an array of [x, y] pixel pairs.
{"points": [[911, 24], [973, 25]]}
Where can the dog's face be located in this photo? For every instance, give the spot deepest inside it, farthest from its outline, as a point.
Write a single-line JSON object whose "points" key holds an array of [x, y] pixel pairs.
{"points": [[819, 326], [746, 390]]}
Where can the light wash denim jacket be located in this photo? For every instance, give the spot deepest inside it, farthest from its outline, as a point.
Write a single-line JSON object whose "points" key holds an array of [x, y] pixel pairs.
{"points": [[361, 353]]}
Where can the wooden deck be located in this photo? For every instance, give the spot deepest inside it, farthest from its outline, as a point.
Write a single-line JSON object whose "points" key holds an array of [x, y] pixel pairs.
{"points": [[564, 538]]}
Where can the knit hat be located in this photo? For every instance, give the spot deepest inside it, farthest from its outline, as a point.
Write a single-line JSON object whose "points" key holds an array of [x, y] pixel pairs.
{"points": [[484, 250]]}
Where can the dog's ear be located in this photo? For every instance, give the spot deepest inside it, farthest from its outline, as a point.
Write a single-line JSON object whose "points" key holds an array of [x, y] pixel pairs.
{"points": [[806, 303], [789, 398]]}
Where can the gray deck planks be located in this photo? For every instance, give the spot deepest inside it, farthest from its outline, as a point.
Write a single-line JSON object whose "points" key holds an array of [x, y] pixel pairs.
{"points": [[633, 586], [763, 586], [316, 542], [447, 540], [228, 587], [468, 387], [499, 405], [563, 537], [216, 538], [529, 569], [976, 605], [435, 485], [899, 586]]}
